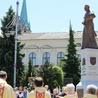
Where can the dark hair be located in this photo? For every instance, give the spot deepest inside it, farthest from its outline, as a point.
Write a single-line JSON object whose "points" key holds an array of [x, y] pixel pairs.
{"points": [[38, 81], [3, 74], [25, 87], [87, 6]]}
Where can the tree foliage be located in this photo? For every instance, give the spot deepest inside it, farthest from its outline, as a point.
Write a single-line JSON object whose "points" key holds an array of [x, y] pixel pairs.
{"points": [[50, 75], [7, 48], [71, 64], [29, 72]]}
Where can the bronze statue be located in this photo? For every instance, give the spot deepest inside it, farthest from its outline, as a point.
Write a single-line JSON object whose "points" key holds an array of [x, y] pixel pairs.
{"points": [[89, 34]]}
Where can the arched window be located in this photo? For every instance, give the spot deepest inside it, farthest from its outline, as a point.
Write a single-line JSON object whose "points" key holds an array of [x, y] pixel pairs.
{"points": [[46, 56], [60, 56], [32, 56]]}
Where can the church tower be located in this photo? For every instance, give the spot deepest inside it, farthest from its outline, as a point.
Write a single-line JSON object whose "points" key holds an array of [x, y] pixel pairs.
{"points": [[24, 17]]}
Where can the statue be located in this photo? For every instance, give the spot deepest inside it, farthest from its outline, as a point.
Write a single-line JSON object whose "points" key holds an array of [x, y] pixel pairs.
{"points": [[89, 34]]}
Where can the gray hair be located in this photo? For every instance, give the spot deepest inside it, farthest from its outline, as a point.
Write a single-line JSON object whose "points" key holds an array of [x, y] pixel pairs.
{"points": [[70, 87], [92, 89]]}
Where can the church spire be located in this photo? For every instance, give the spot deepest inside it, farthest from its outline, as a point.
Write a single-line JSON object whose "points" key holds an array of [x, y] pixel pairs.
{"points": [[24, 16]]}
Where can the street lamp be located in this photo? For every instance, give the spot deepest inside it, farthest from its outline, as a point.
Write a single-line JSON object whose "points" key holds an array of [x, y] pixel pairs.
{"points": [[20, 25], [8, 34], [15, 53]]}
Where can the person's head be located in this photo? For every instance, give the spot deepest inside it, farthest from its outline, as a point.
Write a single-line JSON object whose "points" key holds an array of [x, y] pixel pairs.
{"points": [[25, 88], [46, 86], [63, 89], [86, 8], [16, 89], [70, 88], [20, 88], [91, 89], [38, 82], [55, 91], [3, 75]]}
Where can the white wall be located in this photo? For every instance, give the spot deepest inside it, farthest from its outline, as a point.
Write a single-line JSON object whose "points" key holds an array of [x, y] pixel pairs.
{"points": [[41, 46]]}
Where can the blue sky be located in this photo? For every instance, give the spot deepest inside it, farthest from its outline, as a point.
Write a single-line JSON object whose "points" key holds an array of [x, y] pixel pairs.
{"points": [[53, 15]]}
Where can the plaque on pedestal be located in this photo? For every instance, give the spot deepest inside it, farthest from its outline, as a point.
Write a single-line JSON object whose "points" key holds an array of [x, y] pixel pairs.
{"points": [[89, 69]]}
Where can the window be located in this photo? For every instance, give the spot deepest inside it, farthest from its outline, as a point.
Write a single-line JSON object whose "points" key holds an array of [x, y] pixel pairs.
{"points": [[32, 56], [46, 56], [60, 56], [78, 44]]}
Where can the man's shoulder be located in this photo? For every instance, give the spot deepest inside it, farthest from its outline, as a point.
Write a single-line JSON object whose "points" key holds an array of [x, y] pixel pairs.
{"points": [[47, 92], [8, 85], [31, 94], [90, 96], [69, 96], [34, 93], [5, 83]]}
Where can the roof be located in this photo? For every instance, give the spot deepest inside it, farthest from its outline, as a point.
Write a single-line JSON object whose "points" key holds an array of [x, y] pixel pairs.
{"points": [[48, 35]]}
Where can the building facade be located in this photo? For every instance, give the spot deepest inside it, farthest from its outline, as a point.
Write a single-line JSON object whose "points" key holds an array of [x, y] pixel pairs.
{"points": [[52, 46]]}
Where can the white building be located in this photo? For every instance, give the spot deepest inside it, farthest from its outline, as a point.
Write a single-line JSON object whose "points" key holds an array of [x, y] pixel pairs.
{"points": [[52, 45]]}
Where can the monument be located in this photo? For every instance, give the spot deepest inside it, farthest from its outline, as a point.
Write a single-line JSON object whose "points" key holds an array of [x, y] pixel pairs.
{"points": [[89, 34], [89, 54]]}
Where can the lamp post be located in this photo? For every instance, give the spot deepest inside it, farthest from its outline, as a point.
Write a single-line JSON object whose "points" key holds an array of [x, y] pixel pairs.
{"points": [[15, 53], [19, 24], [10, 25]]}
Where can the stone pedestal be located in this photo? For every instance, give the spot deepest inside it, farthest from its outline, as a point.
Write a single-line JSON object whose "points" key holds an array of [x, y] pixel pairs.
{"points": [[89, 70]]}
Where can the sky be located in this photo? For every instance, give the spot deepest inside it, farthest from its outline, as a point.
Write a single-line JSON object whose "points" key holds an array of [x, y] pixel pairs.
{"points": [[53, 15]]}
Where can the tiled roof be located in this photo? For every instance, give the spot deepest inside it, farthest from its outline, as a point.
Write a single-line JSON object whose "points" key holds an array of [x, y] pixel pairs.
{"points": [[50, 35]]}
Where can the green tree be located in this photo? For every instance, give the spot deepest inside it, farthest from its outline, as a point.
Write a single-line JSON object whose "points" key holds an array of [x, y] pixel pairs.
{"points": [[50, 75], [7, 47], [71, 64], [29, 72], [58, 73]]}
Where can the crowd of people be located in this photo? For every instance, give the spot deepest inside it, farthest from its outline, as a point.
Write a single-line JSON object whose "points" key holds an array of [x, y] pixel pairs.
{"points": [[21, 92], [42, 91]]}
